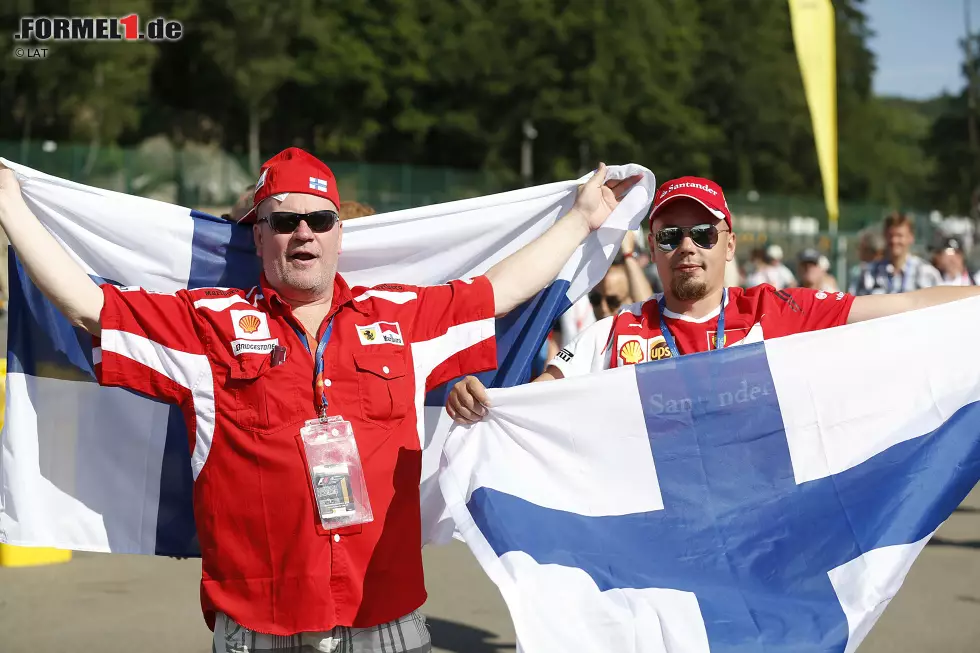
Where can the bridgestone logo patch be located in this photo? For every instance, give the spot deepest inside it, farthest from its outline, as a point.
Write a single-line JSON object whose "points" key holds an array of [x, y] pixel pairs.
{"points": [[253, 346]]}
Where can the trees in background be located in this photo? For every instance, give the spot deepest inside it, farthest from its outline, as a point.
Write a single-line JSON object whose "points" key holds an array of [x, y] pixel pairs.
{"points": [[709, 87]]}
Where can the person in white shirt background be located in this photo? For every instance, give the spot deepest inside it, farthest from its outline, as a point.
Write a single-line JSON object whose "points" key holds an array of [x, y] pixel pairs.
{"points": [[783, 276], [769, 269], [899, 270]]}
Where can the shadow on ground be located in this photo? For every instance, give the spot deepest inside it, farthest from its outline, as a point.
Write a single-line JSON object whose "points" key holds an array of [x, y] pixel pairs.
{"points": [[967, 509], [460, 638], [962, 544]]}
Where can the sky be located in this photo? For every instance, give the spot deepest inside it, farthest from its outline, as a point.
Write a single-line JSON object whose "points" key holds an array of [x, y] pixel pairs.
{"points": [[916, 44]]}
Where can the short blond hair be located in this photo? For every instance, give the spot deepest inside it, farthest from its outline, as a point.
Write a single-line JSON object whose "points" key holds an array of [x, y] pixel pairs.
{"points": [[352, 209]]}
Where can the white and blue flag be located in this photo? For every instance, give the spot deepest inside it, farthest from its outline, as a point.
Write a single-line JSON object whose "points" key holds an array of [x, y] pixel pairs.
{"points": [[103, 469], [766, 498]]}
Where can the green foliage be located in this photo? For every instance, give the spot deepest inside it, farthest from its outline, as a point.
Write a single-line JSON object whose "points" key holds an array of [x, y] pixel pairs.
{"points": [[82, 91], [709, 87]]}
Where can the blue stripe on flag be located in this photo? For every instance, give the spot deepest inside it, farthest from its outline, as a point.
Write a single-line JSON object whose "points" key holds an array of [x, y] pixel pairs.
{"points": [[176, 529], [223, 255], [40, 340], [520, 335], [736, 529]]}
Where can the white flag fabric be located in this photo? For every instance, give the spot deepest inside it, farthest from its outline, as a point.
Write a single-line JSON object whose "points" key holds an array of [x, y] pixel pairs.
{"points": [[769, 497], [103, 469]]}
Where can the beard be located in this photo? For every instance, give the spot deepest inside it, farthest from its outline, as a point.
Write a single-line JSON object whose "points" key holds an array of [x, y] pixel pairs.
{"points": [[311, 281], [688, 289]]}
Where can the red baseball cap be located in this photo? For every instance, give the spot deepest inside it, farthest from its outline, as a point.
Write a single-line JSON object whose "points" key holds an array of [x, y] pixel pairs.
{"points": [[703, 191], [293, 171]]}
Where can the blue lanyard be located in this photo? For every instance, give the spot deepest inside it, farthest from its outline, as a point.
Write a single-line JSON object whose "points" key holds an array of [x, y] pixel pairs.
{"points": [[318, 381], [719, 332], [906, 273]]}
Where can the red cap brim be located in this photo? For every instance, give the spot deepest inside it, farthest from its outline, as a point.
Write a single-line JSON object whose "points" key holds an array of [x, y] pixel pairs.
{"points": [[718, 213], [249, 217]]}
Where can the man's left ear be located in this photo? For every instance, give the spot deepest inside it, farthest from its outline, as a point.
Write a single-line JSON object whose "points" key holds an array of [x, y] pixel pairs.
{"points": [[730, 254], [257, 238], [340, 239]]}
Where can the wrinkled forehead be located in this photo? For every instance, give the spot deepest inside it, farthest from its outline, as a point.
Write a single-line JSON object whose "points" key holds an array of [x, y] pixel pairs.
{"points": [[295, 202], [684, 212]]}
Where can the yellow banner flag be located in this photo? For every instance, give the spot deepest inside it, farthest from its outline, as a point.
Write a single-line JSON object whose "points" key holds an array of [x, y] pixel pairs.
{"points": [[816, 50]]}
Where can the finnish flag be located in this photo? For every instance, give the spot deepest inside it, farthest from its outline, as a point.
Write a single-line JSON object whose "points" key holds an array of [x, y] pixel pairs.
{"points": [[768, 498], [318, 184], [104, 469]]}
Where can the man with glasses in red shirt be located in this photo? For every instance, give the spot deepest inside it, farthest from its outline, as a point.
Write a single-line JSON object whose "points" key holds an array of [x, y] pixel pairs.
{"points": [[692, 240], [250, 367]]}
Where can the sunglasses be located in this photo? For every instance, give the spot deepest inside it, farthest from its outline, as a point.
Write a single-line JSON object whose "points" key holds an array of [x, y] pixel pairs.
{"points": [[286, 222], [612, 301], [704, 236]]}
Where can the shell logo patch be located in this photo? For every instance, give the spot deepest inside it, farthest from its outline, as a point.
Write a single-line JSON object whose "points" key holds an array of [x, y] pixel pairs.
{"points": [[250, 325], [631, 352]]}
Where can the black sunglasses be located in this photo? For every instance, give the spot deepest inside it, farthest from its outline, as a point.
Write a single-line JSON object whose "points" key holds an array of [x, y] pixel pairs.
{"points": [[612, 301], [704, 236], [286, 222]]}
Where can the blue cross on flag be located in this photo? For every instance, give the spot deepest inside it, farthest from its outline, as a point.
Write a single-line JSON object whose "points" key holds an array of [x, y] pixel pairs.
{"points": [[770, 497], [318, 184]]}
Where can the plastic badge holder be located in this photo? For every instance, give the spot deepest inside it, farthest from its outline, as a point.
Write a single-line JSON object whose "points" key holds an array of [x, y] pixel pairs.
{"points": [[336, 473]]}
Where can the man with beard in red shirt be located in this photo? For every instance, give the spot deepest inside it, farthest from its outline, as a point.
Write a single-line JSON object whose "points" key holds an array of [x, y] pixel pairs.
{"points": [[692, 240]]}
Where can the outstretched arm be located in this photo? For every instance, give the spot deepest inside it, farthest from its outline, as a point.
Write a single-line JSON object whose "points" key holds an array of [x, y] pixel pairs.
{"points": [[640, 288], [49, 266], [524, 273], [868, 307]]}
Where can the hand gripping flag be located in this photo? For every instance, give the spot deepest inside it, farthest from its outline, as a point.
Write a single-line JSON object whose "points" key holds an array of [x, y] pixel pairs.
{"points": [[769, 497], [99, 469]]}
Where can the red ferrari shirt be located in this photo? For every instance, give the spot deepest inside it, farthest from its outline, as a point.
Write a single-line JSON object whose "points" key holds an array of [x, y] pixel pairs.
{"points": [[267, 562], [761, 312]]}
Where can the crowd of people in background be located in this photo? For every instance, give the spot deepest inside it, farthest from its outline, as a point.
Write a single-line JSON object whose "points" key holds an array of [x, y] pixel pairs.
{"points": [[886, 264]]}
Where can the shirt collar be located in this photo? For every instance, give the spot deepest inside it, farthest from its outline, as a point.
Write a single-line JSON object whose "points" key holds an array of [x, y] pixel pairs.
{"points": [[341, 295], [667, 313]]}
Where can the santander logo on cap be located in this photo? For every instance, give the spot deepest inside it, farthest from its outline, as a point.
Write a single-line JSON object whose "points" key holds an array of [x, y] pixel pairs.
{"points": [[703, 191], [293, 171]]}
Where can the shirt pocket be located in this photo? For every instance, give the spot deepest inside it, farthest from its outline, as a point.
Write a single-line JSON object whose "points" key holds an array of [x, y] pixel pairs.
{"points": [[266, 399], [384, 386]]}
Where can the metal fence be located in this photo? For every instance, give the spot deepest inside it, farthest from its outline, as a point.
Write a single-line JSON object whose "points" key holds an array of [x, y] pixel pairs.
{"points": [[205, 177]]}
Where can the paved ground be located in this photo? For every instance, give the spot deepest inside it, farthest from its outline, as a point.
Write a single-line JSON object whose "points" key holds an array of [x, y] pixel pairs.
{"points": [[116, 604]]}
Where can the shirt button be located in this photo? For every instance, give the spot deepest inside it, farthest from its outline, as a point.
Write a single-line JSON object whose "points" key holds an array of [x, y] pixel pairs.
{"points": [[326, 382], [336, 538], [385, 369]]}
